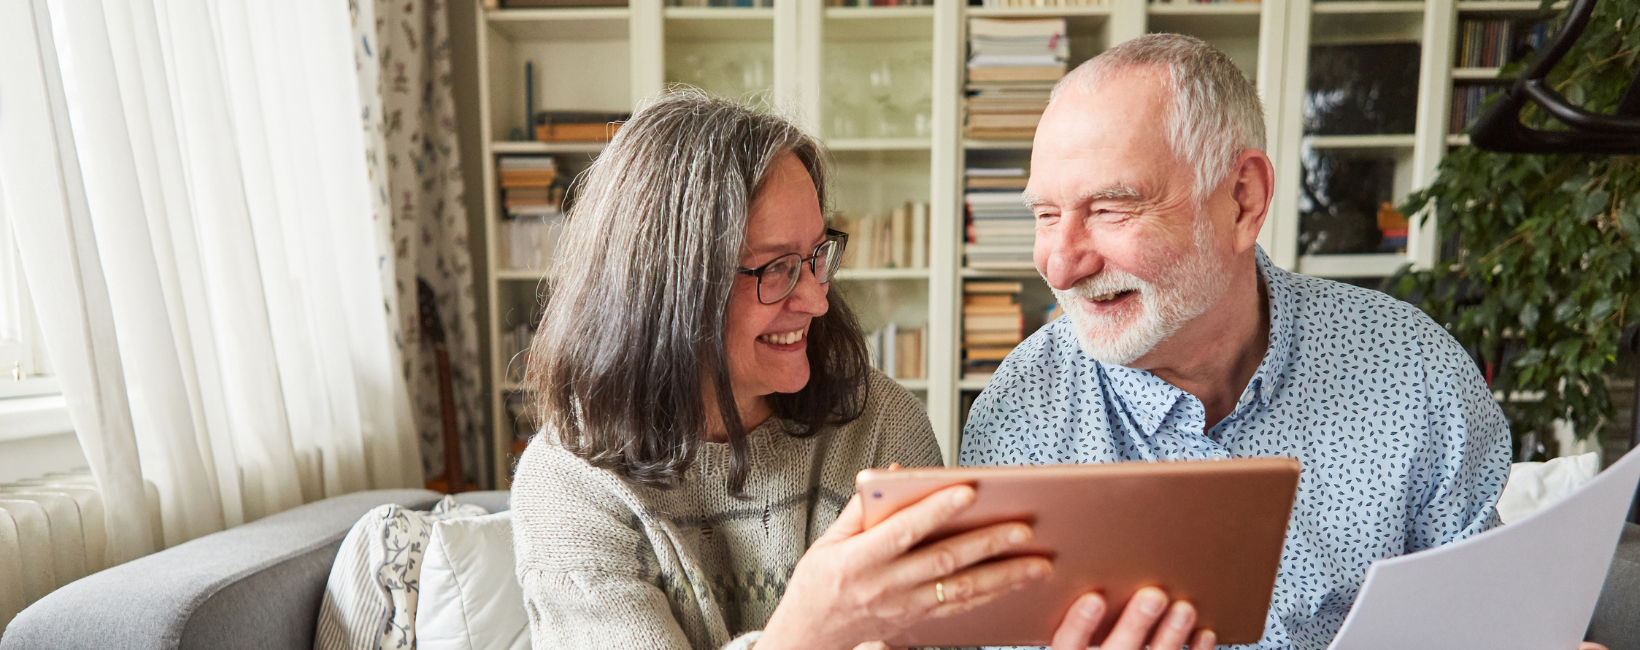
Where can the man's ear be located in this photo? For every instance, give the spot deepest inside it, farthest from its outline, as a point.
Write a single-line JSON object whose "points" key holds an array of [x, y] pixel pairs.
{"points": [[1253, 180]]}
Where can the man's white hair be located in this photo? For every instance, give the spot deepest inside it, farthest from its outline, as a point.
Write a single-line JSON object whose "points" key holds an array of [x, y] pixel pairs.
{"points": [[1215, 113]]}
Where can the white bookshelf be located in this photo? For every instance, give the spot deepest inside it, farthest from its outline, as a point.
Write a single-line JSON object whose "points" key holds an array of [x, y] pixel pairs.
{"points": [[608, 59]]}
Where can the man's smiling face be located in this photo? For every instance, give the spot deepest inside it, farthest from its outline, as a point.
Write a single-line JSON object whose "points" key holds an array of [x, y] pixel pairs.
{"points": [[1120, 237]]}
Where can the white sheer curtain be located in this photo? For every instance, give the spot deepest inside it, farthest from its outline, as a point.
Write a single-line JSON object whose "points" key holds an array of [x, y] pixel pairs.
{"points": [[188, 183]]}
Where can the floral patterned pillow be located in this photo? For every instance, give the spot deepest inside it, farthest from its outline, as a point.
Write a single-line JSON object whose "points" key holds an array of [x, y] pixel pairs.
{"points": [[370, 599]]}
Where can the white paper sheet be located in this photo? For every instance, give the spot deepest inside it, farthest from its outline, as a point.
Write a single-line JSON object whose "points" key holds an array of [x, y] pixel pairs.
{"points": [[1530, 585]]}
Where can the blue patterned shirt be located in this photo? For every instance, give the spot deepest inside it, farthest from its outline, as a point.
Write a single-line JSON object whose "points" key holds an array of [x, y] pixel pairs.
{"points": [[1401, 443]]}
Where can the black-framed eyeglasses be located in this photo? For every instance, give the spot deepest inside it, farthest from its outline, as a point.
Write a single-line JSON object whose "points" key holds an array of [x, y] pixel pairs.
{"points": [[776, 279]]}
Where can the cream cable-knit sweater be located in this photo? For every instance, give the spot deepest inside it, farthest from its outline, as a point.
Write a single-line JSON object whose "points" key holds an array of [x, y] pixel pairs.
{"points": [[606, 564]]}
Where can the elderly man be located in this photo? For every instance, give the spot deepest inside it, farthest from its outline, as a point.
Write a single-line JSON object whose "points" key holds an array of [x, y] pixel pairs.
{"points": [[1183, 341]]}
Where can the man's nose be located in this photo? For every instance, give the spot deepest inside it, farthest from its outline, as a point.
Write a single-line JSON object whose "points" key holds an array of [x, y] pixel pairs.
{"points": [[1064, 254]]}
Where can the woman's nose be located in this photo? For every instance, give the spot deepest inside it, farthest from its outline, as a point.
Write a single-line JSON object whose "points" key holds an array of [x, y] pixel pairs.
{"points": [[809, 296]]}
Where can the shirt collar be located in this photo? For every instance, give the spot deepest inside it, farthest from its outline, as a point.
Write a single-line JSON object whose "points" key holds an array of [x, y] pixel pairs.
{"points": [[1149, 399]]}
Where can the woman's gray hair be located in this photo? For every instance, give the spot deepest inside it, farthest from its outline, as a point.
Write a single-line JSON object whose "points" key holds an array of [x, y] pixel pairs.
{"points": [[1215, 112], [632, 338]]}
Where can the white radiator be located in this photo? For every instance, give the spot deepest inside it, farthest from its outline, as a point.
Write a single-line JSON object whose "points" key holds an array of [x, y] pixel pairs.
{"points": [[51, 534]]}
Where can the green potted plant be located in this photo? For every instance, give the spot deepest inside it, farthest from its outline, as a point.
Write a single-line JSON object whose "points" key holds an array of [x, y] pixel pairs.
{"points": [[1541, 271]]}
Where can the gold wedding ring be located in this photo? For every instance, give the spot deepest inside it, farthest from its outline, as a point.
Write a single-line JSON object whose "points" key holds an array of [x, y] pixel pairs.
{"points": [[939, 591]]}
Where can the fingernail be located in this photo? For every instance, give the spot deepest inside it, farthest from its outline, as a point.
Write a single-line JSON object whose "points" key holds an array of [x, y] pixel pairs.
{"points": [[1020, 534], [1151, 602], [962, 497], [1208, 639], [1093, 608], [1038, 569], [1181, 617]]}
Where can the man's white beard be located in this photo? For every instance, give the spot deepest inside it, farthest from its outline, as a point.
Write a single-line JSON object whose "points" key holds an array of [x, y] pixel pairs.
{"points": [[1156, 310]]}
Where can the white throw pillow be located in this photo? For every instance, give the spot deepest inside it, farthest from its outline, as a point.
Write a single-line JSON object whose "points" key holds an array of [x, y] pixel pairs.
{"points": [[1534, 486], [470, 598], [370, 599]]}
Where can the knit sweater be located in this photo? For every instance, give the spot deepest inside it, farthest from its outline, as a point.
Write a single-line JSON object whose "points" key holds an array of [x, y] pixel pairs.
{"points": [[608, 564]]}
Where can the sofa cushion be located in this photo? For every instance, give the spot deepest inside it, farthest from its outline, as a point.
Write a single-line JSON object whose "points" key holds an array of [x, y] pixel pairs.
{"points": [[1534, 486], [256, 586], [370, 599], [470, 598]]}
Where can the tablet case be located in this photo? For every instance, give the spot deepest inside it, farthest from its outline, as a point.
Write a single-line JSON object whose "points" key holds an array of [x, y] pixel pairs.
{"points": [[1209, 532]]}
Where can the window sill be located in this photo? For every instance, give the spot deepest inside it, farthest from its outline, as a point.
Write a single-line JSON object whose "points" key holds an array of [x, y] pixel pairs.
{"points": [[33, 417]]}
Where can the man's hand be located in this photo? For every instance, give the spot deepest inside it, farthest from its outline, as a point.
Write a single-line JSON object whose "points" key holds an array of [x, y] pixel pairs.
{"points": [[1147, 621]]}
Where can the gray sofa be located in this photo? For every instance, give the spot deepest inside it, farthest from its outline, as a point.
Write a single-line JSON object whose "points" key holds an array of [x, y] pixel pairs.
{"points": [[259, 586], [253, 586]]}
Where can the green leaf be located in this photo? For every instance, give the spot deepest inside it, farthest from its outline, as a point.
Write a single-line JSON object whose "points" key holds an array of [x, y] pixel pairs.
{"points": [[1530, 358], [1601, 310], [1565, 311], [1529, 316], [1592, 205]]}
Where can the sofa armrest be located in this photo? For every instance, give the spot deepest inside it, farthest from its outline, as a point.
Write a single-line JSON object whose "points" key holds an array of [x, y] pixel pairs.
{"points": [[253, 586]]}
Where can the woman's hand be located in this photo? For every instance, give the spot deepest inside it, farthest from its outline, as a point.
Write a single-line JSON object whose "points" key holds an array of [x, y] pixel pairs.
{"points": [[856, 585], [1146, 621]]}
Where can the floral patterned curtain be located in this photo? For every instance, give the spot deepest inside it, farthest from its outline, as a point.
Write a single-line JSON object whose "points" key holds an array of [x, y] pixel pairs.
{"points": [[402, 48]]}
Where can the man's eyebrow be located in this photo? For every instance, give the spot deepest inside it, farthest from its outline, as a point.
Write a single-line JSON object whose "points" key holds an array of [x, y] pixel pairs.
{"points": [[1116, 192]]}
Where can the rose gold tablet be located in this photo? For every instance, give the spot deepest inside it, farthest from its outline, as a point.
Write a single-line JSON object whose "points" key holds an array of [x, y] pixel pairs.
{"points": [[1209, 532]]}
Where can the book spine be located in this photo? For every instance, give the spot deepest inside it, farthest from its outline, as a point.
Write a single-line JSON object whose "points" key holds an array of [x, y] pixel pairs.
{"points": [[919, 235]]}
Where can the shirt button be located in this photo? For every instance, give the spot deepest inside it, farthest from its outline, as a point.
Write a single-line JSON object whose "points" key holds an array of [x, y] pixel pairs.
{"points": [[1218, 456]]}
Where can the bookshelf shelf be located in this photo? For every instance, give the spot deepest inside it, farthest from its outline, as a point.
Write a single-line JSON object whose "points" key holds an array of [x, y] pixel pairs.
{"points": [[574, 24], [881, 274], [719, 13], [1371, 7], [531, 275], [537, 147], [623, 55], [997, 144], [1351, 266], [1385, 141], [914, 384], [1205, 8], [878, 13], [1038, 12], [1457, 139], [1475, 73], [879, 144], [1511, 6]]}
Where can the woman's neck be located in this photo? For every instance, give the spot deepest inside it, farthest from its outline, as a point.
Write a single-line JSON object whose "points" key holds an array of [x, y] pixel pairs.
{"points": [[753, 412]]}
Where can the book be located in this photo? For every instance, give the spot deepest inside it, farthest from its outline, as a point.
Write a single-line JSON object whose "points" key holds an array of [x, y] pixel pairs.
{"points": [[1034, 73], [991, 338], [919, 235], [987, 300], [992, 287], [990, 323]]}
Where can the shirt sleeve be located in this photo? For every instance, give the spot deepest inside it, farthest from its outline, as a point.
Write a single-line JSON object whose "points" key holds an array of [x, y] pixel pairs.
{"points": [[901, 423], [1469, 447], [583, 561]]}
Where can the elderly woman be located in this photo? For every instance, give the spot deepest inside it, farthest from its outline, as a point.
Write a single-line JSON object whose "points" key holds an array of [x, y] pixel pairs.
{"points": [[707, 401]]}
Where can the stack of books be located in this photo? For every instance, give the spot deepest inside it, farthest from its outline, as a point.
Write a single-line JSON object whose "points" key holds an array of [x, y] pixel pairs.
{"points": [[898, 352], [874, 3], [897, 240], [529, 185], [516, 342], [1000, 231], [1012, 67], [531, 219], [992, 324]]}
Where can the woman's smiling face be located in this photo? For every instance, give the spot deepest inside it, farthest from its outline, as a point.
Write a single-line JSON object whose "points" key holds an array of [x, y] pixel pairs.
{"points": [[767, 345]]}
